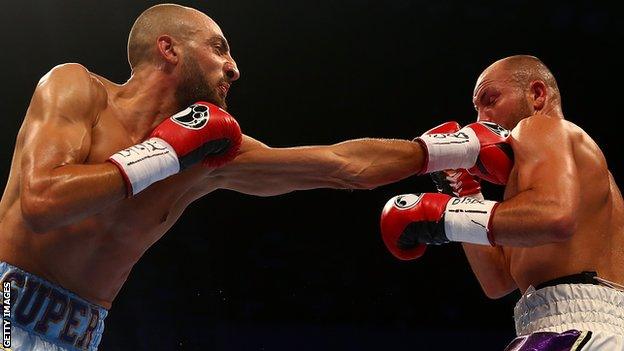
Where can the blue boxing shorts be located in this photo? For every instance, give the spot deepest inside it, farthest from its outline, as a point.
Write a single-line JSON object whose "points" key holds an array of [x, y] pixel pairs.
{"points": [[580, 312], [38, 315]]}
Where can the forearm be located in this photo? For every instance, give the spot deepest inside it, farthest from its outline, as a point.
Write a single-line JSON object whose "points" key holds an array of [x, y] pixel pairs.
{"points": [[355, 164], [531, 219], [71, 193], [491, 269], [369, 163]]}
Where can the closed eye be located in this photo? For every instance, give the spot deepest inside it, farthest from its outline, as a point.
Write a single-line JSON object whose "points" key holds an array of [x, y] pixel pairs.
{"points": [[488, 98]]}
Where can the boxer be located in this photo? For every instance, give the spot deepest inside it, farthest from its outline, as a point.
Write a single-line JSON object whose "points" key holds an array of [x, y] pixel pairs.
{"points": [[102, 170], [559, 231]]}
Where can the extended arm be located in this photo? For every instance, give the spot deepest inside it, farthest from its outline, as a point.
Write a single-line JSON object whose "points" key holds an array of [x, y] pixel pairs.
{"points": [[356, 164]]}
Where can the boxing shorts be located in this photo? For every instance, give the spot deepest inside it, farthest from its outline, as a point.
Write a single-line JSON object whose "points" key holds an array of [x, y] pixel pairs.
{"points": [[572, 313], [38, 315]]}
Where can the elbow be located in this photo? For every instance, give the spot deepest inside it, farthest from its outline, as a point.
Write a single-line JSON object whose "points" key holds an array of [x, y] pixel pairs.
{"points": [[496, 294], [562, 227], [36, 213], [498, 290]]}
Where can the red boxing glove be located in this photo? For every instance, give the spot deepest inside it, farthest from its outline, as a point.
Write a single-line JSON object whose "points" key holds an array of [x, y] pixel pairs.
{"points": [[444, 128], [480, 147], [406, 214], [411, 221], [202, 132], [457, 182], [454, 182], [496, 158]]}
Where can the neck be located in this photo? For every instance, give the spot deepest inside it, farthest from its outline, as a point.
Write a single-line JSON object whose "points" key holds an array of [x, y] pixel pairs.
{"points": [[146, 99], [553, 111]]}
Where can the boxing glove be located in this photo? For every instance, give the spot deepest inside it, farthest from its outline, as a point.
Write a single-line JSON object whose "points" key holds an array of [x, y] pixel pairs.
{"points": [[480, 147], [202, 132], [457, 182], [410, 221], [454, 182]]}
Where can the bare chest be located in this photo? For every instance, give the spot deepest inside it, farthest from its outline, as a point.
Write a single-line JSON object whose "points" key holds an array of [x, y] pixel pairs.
{"points": [[145, 217]]}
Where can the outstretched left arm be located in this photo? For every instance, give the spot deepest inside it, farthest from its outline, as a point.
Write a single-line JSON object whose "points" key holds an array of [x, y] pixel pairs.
{"points": [[355, 164]]}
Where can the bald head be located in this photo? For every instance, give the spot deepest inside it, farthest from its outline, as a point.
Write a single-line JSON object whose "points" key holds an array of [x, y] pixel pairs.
{"points": [[524, 69], [174, 20]]}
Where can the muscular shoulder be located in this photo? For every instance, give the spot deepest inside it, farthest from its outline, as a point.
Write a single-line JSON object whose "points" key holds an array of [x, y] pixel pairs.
{"points": [[544, 128], [541, 136], [540, 130], [539, 125], [71, 90]]}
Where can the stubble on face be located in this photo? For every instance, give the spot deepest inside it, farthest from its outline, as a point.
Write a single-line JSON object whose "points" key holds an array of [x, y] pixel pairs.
{"points": [[194, 86], [517, 106]]}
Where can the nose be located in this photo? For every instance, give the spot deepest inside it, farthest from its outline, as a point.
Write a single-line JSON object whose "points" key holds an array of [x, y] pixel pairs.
{"points": [[484, 116], [231, 71]]}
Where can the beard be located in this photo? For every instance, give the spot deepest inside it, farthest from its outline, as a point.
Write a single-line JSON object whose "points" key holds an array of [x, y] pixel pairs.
{"points": [[194, 87]]}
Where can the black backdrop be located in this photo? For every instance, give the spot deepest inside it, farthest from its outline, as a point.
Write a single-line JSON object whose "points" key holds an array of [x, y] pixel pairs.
{"points": [[308, 270]]}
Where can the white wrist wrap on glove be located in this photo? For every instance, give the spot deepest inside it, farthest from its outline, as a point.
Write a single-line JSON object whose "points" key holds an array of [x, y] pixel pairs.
{"points": [[451, 151], [466, 219], [146, 163]]}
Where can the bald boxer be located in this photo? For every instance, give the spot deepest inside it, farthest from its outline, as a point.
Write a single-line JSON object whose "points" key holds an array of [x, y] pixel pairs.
{"points": [[101, 171], [558, 236]]}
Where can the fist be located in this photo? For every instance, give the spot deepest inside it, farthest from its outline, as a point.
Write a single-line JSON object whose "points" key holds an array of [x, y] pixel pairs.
{"points": [[495, 159], [202, 132], [410, 221], [480, 147]]}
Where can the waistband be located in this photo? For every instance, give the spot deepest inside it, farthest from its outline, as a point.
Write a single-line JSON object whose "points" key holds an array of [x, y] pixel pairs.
{"points": [[49, 311], [586, 277], [569, 304]]}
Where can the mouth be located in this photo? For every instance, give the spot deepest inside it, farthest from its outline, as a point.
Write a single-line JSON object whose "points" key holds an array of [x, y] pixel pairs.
{"points": [[223, 89]]}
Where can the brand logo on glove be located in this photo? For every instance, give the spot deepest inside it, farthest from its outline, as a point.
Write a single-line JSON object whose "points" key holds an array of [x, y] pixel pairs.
{"points": [[403, 202], [193, 117], [496, 129]]}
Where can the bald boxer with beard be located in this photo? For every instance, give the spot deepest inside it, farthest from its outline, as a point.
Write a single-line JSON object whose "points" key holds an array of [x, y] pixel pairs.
{"points": [[558, 235], [101, 171]]}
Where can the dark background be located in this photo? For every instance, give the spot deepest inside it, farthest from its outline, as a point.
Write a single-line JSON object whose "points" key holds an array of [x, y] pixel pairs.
{"points": [[308, 270]]}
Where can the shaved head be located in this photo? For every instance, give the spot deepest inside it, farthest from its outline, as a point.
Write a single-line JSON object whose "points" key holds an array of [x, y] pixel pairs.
{"points": [[514, 88], [185, 49], [524, 69], [174, 20]]}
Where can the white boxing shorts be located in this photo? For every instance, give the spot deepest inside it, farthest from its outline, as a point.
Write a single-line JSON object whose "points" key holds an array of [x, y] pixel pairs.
{"points": [[570, 317]]}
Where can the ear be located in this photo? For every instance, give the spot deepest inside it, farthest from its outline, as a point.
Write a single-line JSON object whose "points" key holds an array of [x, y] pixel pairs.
{"points": [[537, 94], [167, 49]]}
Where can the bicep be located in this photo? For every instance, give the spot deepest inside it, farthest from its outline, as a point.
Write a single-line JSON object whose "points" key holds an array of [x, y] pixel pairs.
{"points": [[56, 130], [51, 142]]}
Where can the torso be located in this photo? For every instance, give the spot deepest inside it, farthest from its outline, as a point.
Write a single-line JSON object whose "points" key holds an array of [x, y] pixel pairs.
{"points": [[93, 257], [599, 238]]}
